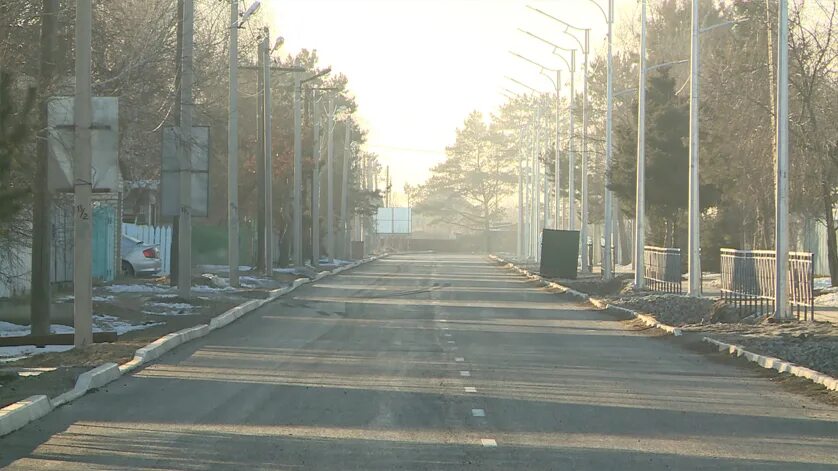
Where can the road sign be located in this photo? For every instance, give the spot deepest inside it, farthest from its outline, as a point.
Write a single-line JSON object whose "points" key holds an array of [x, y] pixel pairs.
{"points": [[169, 179], [104, 141], [394, 220]]}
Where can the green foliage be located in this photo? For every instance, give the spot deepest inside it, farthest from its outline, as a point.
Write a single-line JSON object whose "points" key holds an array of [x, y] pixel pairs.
{"points": [[467, 189], [667, 156], [15, 132]]}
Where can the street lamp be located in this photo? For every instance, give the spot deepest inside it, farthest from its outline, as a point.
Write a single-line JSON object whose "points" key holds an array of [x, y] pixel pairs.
{"points": [[781, 238], [534, 174], [571, 171], [557, 84], [694, 244], [640, 190], [584, 46]]}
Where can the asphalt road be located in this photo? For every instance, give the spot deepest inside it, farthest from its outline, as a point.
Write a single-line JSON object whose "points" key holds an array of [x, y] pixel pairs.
{"points": [[427, 362]]}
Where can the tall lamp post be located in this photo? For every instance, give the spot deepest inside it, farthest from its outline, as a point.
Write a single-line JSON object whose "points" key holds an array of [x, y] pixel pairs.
{"points": [[571, 156], [781, 239], [557, 85], [694, 239], [584, 46], [640, 192], [534, 174], [520, 235]]}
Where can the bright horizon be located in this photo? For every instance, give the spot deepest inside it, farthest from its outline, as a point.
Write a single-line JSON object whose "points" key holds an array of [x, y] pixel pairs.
{"points": [[418, 68]]}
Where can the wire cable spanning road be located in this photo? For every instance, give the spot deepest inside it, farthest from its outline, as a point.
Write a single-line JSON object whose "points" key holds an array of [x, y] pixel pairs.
{"points": [[463, 366]]}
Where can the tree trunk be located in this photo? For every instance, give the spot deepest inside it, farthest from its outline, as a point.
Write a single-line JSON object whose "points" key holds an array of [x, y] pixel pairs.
{"points": [[831, 243]]}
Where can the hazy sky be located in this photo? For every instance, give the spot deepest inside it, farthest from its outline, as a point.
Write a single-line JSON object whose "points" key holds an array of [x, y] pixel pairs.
{"points": [[418, 67]]}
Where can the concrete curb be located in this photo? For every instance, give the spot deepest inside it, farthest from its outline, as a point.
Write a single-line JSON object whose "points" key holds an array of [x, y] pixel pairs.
{"points": [[772, 363], [17, 415], [599, 303], [762, 360]]}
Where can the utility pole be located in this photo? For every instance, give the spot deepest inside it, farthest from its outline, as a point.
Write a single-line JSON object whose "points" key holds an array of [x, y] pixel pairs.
{"points": [[41, 302], [583, 229], [520, 232], [694, 288], [233, 150], [269, 213], [261, 227], [537, 184], [83, 179], [315, 184], [640, 203], [781, 306], [298, 174], [344, 190], [185, 154], [609, 213], [330, 182], [571, 159], [558, 167]]}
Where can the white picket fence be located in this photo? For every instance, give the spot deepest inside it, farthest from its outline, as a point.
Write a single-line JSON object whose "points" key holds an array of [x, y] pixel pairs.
{"points": [[161, 236]]}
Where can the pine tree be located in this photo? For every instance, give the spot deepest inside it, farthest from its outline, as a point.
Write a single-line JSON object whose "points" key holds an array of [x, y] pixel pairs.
{"points": [[15, 132]]}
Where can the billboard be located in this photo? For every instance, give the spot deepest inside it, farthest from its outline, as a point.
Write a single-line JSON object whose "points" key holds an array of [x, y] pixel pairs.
{"points": [[104, 139], [394, 221], [170, 167]]}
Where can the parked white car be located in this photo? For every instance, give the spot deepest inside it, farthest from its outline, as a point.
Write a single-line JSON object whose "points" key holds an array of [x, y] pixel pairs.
{"points": [[139, 258]]}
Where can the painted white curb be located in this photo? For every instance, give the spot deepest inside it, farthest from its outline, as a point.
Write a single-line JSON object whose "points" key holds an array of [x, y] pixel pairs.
{"points": [[95, 378], [599, 303], [772, 363], [15, 416]]}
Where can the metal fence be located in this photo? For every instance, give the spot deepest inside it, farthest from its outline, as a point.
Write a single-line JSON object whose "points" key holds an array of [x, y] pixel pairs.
{"points": [[662, 269], [748, 276]]}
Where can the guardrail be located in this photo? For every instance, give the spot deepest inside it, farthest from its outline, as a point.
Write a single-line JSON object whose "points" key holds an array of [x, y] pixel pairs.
{"points": [[747, 281], [662, 269]]}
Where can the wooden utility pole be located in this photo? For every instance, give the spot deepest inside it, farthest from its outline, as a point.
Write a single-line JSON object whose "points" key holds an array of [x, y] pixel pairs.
{"points": [[40, 304]]}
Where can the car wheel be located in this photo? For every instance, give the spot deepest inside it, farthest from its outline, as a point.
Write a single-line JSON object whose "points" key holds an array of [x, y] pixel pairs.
{"points": [[127, 268]]}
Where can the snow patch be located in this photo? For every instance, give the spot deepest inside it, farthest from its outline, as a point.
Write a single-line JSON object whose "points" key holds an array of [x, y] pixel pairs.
{"points": [[10, 354], [211, 289], [140, 288], [102, 323], [827, 300]]}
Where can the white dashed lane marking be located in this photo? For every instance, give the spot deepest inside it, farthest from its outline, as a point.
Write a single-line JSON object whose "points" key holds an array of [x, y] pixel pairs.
{"points": [[478, 413], [459, 359], [465, 373], [447, 335], [470, 389], [450, 341], [488, 442]]}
